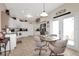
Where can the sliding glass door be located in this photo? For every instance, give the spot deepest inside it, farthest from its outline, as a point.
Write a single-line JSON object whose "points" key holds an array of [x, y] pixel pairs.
{"points": [[63, 28], [68, 30]]}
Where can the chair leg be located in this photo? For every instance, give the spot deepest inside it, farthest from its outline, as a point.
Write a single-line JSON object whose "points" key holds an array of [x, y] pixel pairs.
{"points": [[50, 53], [5, 50], [40, 52], [0, 50]]}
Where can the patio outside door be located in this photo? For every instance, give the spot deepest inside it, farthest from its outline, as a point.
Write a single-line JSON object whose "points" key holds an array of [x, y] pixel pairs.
{"points": [[68, 30]]}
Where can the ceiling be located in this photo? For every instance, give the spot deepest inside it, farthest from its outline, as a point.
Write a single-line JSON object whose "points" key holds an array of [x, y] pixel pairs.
{"points": [[21, 9]]}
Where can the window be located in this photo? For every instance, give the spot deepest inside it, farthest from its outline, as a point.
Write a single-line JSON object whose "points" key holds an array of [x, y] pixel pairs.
{"points": [[56, 28], [68, 30]]}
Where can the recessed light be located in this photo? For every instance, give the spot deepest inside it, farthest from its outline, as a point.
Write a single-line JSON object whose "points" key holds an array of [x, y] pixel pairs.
{"points": [[22, 11], [28, 16]]}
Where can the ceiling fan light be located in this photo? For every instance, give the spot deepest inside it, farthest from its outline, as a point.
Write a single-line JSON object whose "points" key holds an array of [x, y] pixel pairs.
{"points": [[43, 14]]}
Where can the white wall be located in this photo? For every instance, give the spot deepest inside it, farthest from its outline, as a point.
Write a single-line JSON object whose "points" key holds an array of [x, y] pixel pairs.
{"points": [[51, 27], [2, 8], [76, 31]]}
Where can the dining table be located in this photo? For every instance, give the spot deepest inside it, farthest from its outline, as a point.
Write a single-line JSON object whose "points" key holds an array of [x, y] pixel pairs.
{"points": [[48, 40]]}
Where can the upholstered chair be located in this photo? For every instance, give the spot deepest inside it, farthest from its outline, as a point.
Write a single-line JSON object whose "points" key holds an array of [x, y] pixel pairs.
{"points": [[40, 45], [58, 48]]}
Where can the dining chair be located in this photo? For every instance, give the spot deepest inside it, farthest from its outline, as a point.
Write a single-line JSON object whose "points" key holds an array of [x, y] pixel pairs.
{"points": [[40, 45], [58, 48]]}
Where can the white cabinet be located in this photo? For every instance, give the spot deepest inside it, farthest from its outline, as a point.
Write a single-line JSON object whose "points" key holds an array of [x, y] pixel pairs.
{"points": [[24, 34]]}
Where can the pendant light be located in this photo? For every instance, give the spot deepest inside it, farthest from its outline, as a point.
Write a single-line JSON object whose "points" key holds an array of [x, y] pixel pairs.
{"points": [[43, 14]]}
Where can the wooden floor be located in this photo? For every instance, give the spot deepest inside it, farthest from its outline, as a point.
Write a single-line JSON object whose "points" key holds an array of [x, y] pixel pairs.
{"points": [[26, 48]]}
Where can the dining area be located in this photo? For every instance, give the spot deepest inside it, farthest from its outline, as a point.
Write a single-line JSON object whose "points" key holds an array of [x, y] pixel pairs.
{"points": [[46, 43]]}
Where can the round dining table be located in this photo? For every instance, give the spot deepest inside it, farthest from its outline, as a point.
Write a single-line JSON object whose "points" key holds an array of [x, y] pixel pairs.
{"points": [[49, 40]]}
